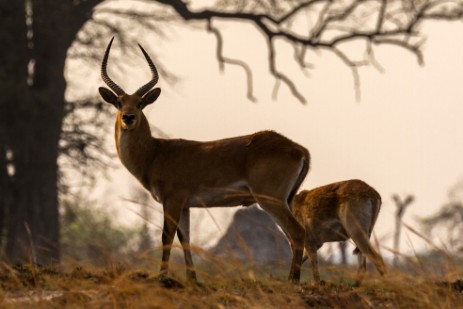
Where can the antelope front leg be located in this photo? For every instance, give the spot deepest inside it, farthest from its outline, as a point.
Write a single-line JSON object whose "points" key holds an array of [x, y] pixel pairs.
{"points": [[313, 257], [172, 212], [183, 234], [311, 249]]}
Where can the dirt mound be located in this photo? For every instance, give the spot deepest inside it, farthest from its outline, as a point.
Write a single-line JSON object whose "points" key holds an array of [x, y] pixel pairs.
{"points": [[254, 237]]}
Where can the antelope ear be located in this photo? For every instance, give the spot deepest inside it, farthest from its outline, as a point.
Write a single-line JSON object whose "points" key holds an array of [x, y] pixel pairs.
{"points": [[151, 96], [108, 95]]}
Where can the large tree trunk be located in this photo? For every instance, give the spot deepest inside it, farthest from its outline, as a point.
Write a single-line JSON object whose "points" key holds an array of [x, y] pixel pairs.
{"points": [[13, 87], [32, 61], [3, 189], [33, 234], [35, 120]]}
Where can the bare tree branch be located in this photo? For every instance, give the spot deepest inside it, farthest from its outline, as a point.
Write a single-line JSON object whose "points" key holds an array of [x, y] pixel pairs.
{"points": [[80, 146], [382, 11], [281, 77], [354, 68], [222, 60], [377, 22]]}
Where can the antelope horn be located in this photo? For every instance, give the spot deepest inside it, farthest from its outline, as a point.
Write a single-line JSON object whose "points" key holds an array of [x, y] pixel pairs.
{"points": [[155, 76], [104, 75]]}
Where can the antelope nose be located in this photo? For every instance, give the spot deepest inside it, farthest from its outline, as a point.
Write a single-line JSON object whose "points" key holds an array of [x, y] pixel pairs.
{"points": [[128, 118]]}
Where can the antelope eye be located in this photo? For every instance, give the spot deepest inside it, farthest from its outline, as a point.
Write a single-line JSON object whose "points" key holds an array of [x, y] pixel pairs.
{"points": [[118, 104], [139, 104]]}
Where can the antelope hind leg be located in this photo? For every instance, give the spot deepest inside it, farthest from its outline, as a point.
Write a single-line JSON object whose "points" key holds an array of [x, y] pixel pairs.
{"points": [[362, 267], [280, 212], [358, 230]]}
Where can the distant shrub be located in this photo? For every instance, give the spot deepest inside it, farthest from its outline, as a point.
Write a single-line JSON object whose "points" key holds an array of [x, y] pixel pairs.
{"points": [[91, 236]]}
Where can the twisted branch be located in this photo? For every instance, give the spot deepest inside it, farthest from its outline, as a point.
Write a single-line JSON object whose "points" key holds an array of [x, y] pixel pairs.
{"points": [[377, 22], [222, 60]]}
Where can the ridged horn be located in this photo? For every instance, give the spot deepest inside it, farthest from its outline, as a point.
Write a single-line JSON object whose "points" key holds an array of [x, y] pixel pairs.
{"points": [[155, 76], [104, 75]]}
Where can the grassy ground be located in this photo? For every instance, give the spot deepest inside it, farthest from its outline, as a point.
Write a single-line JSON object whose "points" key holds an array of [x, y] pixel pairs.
{"points": [[232, 287]]}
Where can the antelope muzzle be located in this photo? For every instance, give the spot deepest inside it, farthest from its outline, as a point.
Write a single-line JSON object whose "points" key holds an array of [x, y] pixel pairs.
{"points": [[128, 119]]}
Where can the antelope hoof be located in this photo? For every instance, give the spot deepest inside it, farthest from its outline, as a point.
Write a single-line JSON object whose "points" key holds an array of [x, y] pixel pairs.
{"points": [[168, 282], [294, 277], [191, 277]]}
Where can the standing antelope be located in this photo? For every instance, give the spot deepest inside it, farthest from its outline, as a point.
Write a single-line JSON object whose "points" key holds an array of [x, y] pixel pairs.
{"points": [[264, 167], [337, 212]]}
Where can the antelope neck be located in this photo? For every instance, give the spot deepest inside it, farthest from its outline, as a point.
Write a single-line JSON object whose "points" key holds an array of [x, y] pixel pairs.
{"points": [[135, 147]]}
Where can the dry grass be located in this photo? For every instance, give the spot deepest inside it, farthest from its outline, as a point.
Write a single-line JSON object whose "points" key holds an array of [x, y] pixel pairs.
{"points": [[234, 286]]}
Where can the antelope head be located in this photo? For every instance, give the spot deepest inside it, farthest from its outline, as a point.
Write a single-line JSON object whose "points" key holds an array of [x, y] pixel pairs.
{"points": [[129, 106]]}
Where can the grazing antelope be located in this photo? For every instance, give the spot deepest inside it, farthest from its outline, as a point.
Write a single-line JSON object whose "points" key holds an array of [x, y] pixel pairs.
{"points": [[264, 167], [337, 212]]}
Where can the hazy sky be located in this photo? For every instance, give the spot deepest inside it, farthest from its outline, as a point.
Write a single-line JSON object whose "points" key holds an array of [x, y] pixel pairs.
{"points": [[404, 136]]}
